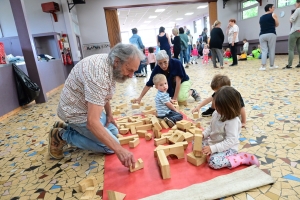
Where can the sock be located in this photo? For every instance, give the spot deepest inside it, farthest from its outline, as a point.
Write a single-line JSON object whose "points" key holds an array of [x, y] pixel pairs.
{"points": [[243, 159]]}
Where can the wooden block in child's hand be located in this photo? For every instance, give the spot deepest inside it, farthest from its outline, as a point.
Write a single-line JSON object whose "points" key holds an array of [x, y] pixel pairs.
{"points": [[196, 115]]}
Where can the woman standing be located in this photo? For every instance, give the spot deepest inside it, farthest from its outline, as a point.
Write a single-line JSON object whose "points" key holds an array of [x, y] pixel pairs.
{"points": [[216, 42], [267, 36], [294, 37], [163, 41], [176, 43], [184, 45], [190, 43], [233, 39]]}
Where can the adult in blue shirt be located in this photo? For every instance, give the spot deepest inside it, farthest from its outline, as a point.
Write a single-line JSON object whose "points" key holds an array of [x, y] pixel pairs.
{"points": [[136, 39], [178, 81]]}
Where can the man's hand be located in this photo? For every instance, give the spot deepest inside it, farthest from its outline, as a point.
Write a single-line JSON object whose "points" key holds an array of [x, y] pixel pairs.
{"points": [[110, 119], [126, 157], [138, 100], [232, 44], [173, 101], [196, 109], [206, 150]]}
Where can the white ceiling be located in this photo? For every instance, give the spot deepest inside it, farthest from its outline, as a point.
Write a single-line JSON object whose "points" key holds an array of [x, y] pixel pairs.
{"points": [[138, 17]]}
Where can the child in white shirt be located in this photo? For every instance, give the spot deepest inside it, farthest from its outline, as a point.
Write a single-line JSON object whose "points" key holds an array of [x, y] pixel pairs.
{"points": [[221, 138], [151, 58]]}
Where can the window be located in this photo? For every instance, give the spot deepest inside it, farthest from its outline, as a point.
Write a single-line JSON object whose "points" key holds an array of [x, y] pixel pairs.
{"points": [[282, 3], [249, 9]]}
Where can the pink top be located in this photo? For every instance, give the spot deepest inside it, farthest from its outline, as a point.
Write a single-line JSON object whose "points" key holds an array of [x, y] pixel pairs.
{"points": [[194, 52], [151, 58], [205, 52]]}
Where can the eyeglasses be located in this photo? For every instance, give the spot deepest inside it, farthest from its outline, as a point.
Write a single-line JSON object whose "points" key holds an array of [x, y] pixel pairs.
{"points": [[163, 63]]}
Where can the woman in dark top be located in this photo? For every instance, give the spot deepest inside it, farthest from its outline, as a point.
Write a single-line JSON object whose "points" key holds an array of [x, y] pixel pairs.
{"points": [[267, 36], [216, 42], [176, 42], [204, 35], [163, 41], [178, 81]]}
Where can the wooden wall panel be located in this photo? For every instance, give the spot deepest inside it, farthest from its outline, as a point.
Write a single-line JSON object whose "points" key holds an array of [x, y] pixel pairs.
{"points": [[113, 27], [213, 12]]}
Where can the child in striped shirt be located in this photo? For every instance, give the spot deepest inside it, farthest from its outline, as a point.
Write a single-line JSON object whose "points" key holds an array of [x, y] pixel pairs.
{"points": [[164, 105]]}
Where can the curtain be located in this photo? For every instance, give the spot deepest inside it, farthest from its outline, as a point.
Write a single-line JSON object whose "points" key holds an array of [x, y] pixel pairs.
{"points": [[113, 27]]}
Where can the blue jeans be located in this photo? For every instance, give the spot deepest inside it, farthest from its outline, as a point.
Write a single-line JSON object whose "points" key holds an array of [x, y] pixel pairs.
{"points": [[80, 136], [183, 56], [174, 116], [189, 49]]}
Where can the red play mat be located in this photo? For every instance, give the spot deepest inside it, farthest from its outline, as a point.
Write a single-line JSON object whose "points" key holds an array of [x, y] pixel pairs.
{"points": [[148, 181]]}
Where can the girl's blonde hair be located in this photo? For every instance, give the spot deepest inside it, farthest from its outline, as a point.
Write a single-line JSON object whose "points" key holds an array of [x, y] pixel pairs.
{"points": [[217, 22], [159, 78], [175, 31]]}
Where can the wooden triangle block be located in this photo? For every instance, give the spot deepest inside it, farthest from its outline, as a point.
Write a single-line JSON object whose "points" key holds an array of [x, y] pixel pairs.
{"points": [[113, 195]]}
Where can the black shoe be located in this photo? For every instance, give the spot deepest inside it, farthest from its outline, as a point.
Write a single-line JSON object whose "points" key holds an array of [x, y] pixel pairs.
{"points": [[208, 112], [195, 95], [298, 66], [169, 122], [186, 66], [287, 67], [232, 65]]}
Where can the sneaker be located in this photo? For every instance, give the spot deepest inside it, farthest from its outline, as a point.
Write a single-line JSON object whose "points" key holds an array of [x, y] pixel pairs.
{"points": [[59, 124], [208, 112], [287, 67], [273, 67], [298, 66], [262, 69], [169, 122], [195, 95], [56, 144], [186, 66], [196, 63]]}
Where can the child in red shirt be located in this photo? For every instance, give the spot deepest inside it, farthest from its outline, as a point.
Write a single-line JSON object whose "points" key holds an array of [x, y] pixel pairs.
{"points": [[227, 53]]}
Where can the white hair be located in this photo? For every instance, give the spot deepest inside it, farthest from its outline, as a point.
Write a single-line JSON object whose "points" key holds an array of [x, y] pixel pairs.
{"points": [[124, 52], [162, 55]]}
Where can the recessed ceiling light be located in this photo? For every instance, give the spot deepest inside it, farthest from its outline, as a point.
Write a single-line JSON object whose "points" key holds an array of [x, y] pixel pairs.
{"points": [[179, 19], [201, 6], [188, 13], [152, 17], [147, 21], [159, 10]]}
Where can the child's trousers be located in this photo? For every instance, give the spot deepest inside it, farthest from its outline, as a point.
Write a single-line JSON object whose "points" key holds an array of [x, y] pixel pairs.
{"points": [[194, 59], [205, 59]]}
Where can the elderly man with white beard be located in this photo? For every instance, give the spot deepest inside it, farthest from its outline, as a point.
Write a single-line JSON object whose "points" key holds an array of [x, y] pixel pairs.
{"points": [[86, 94]]}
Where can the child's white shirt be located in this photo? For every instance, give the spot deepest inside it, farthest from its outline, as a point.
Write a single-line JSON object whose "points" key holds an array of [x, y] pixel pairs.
{"points": [[223, 135]]}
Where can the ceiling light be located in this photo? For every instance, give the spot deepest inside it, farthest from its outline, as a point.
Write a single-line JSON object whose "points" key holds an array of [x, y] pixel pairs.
{"points": [[179, 19], [188, 13], [152, 17], [147, 21], [159, 10], [202, 7]]}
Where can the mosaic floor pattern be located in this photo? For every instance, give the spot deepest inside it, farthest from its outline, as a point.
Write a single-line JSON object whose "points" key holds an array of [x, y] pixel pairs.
{"points": [[272, 133]]}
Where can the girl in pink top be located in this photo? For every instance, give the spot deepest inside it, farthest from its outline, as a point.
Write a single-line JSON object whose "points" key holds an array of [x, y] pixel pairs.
{"points": [[151, 58], [205, 54], [194, 54]]}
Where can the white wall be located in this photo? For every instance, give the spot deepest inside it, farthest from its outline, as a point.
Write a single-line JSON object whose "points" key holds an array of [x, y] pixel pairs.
{"points": [[249, 28], [7, 21], [92, 21]]}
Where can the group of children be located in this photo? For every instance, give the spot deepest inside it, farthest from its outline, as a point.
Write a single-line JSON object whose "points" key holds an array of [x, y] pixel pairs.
{"points": [[221, 137]]}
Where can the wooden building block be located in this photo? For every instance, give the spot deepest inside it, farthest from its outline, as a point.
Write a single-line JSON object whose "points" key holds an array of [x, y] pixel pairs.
{"points": [[89, 194], [125, 140], [132, 100], [183, 125], [160, 141], [156, 133], [119, 136], [182, 103], [144, 127], [138, 165], [197, 147], [146, 120], [191, 130], [133, 143], [198, 125], [141, 133], [163, 164], [123, 118], [198, 131], [142, 103], [151, 111], [174, 127], [137, 123], [148, 107], [124, 130], [148, 136], [135, 106], [113, 195], [116, 112], [174, 149], [89, 183], [176, 137], [188, 137], [184, 143], [164, 124], [195, 115], [157, 125], [195, 160], [133, 130], [121, 106]]}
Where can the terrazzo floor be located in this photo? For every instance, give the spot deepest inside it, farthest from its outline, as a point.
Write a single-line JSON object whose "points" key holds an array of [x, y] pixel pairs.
{"points": [[272, 133]]}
